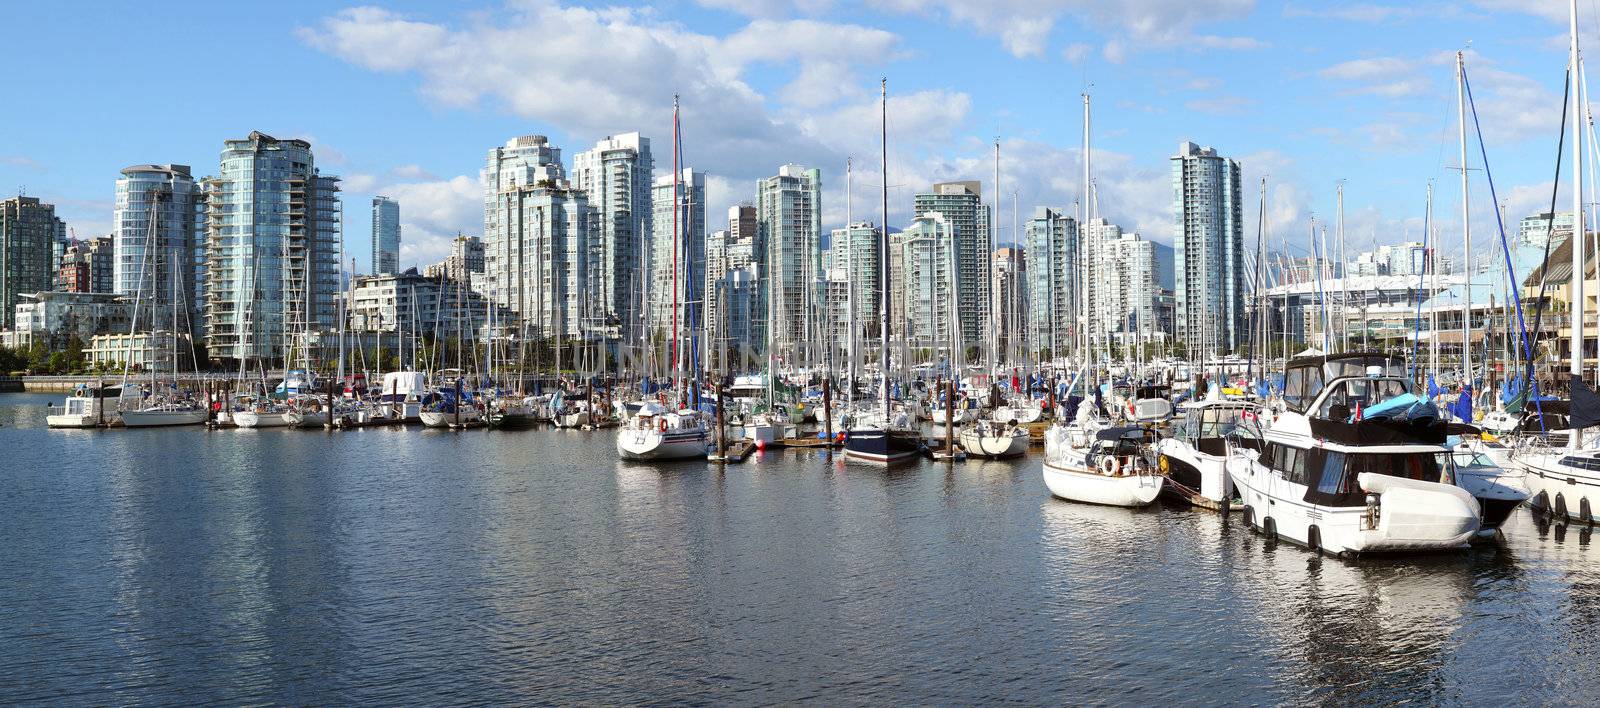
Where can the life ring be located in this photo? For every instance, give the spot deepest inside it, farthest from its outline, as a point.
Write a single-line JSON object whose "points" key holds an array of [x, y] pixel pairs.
{"points": [[1109, 466], [662, 424]]}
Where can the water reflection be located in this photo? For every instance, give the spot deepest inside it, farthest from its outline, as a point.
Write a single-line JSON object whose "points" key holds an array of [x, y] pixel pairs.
{"points": [[392, 566]]}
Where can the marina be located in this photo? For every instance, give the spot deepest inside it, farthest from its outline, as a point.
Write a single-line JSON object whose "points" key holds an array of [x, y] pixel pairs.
{"points": [[402, 564], [718, 353]]}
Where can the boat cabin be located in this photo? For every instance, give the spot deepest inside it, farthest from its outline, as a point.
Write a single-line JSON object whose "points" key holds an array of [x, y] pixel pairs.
{"points": [[1331, 474]]}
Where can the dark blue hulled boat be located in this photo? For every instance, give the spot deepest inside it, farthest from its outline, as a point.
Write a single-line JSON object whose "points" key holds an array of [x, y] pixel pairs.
{"points": [[886, 447]]}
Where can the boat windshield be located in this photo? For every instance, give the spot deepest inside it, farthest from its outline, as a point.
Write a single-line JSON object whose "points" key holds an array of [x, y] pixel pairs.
{"points": [[1351, 395], [1214, 422], [1471, 459]]}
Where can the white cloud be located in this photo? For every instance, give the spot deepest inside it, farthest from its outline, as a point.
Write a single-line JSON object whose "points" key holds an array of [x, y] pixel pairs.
{"points": [[592, 73], [1024, 26], [432, 213]]}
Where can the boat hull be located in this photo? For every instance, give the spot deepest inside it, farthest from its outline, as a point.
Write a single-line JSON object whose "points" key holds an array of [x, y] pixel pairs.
{"points": [[253, 419], [1134, 490], [162, 419], [1411, 516], [634, 444], [997, 446], [882, 447]]}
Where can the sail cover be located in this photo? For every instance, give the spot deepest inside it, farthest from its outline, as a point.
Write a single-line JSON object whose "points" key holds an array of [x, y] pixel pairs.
{"points": [[1585, 405]]}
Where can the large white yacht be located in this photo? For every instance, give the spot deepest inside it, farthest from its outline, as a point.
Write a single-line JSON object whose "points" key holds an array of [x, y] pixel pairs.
{"points": [[1355, 463]]}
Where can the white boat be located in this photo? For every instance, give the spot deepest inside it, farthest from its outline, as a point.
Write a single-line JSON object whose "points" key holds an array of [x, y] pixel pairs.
{"points": [[1347, 483], [467, 416], [994, 439], [306, 417], [1023, 412], [1498, 489], [163, 415], [656, 434], [83, 410], [1195, 458], [264, 417], [1116, 468], [769, 427], [402, 393]]}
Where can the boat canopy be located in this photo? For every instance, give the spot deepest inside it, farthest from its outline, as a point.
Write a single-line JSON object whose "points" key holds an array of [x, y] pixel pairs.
{"points": [[1126, 432], [1304, 377]]}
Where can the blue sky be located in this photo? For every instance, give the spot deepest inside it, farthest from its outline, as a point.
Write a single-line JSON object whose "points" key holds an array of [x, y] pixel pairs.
{"points": [[405, 98]]}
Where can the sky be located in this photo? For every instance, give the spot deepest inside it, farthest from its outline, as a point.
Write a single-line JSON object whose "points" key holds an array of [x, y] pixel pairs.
{"points": [[405, 99]]}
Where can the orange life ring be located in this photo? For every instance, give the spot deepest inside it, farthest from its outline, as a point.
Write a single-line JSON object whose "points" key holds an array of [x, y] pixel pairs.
{"points": [[663, 424]]}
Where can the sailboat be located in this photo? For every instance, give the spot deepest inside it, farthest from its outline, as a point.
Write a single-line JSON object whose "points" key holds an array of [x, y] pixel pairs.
{"points": [[890, 440], [164, 407], [656, 432], [1565, 481]]}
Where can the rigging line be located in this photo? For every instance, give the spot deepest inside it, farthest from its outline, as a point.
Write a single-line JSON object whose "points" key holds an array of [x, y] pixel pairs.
{"points": [[1549, 229]]}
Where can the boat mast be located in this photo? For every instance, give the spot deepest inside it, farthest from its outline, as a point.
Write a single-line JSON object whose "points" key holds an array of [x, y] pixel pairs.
{"points": [[676, 368], [1344, 278], [883, 251], [1466, 229], [994, 319], [850, 282], [1084, 349], [1575, 440], [1431, 249]]}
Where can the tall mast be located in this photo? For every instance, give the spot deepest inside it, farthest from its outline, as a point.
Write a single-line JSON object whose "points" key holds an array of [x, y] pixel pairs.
{"points": [[675, 368], [1344, 278], [1466, 227], [1084, 252], [883, 251], [1430, 250], [987, 264], [849, 283], [1579, 230]]}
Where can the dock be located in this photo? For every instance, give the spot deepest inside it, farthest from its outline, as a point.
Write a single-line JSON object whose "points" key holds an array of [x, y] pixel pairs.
{"points": [[737, 452]]}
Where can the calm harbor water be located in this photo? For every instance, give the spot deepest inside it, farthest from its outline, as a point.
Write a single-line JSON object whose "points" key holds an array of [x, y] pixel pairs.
{"points": [[403, 566]]}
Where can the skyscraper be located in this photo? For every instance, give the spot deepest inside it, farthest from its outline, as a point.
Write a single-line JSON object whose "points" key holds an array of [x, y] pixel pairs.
{"points": [[1207, 210], [920, 303], [857, 253], [1052, 280], [145, 266], [385, 236], [733, 306], [962, 205], [29, 231], [1127, 281], [538, 232], [616, 174], [271, 249], [678, 268], [789, 225]]}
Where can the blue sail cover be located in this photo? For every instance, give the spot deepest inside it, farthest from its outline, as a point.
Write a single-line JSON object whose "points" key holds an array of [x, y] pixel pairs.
{"points": [[1462, 408], [1406, 406]]}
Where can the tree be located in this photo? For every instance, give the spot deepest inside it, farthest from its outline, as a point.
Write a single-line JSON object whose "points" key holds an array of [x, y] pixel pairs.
{"points": [[39, 358], [11, 360]]}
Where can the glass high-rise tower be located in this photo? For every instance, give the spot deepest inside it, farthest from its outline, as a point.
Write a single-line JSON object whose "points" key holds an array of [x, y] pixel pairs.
{"points": [[271, 249], [1208, 237], [385, 236]]}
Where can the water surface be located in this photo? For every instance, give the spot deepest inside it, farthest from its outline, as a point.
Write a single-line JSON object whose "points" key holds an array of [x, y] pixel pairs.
{"points": [[407, 565]]}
